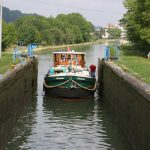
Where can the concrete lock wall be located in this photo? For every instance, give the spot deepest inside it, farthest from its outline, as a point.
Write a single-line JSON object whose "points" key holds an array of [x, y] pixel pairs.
{"points": [[128, 101], [16, 88]]}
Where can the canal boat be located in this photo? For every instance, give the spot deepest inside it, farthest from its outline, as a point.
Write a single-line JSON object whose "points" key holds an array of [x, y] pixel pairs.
{"points": [[69, 77]]}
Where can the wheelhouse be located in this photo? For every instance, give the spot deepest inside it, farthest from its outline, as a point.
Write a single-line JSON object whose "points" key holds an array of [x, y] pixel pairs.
{"points": [[65, 58]]}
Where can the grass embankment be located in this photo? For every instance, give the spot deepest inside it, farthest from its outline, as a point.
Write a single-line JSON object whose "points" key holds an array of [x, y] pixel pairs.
{"points": [[135, 62], [5, 62]]}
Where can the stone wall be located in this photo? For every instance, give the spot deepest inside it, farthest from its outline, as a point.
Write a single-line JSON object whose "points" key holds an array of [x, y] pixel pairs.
{"points": [[16, 88], [128, 101]]}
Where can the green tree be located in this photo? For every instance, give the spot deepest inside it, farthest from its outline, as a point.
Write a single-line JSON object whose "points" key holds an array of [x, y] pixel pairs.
{"points": [[77, 21], [53, 36], [8, 35], [28, 34], [69, 36], [114, 32], [137, 23], [85, 27], [64, 29], [78, 34], [58, 35], [47, 37], [29, 27]]}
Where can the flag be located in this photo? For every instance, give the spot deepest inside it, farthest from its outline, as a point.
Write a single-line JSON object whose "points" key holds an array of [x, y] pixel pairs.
{"points": [[68, 49]]}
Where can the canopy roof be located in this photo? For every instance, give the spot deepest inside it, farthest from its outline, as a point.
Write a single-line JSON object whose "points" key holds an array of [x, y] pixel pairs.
{"points": [[70, 52]]}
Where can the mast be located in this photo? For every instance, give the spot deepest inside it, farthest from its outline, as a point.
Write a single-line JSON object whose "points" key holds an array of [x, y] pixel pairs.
{"points": [[1, 27]]}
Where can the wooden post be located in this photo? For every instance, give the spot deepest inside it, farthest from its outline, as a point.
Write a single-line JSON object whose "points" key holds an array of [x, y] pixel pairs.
{"points": [[1, 27]]}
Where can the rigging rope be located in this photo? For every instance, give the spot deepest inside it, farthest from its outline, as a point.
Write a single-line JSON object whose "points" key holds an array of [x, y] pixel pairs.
{"points": [[73, 82], [85, 87], [48, 86]]}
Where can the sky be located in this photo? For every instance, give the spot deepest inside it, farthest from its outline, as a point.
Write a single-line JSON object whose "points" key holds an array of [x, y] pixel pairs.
{"points": [[98, 12]]}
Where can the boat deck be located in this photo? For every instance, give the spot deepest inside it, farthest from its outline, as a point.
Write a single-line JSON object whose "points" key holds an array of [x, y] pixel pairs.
{"points": [[75, 71]]}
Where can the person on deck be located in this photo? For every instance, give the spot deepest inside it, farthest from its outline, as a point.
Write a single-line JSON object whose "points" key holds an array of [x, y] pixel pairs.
{"points": [[70, 66], [92, 70], [51, 71]]}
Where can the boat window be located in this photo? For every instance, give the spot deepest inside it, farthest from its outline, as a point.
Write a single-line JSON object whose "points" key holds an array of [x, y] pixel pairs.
{"points": [[63, 57], [68, 57]]}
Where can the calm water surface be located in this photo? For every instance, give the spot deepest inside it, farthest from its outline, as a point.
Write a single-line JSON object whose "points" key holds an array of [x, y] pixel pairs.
{"points": [[55, 124]]}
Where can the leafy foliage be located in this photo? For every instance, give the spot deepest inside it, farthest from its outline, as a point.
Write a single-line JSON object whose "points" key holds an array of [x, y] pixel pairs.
{"points": [[63, 29], [8, 35], [5, 62], [137, 22]]}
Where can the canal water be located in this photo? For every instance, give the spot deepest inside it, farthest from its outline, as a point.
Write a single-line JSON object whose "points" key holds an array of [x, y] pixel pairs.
{"points": [[54, 123]]}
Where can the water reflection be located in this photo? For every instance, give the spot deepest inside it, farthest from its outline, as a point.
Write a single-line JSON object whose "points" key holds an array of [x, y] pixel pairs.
{"points": [[74, 124], [68, 108], [24, 125], [64, 124]]}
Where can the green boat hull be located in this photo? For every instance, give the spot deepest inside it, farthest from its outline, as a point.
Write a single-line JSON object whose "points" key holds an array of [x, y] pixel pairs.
{"points": [[69, 86]]}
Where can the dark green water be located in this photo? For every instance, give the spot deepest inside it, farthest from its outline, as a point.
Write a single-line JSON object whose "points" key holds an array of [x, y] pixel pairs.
{"points": [[55, 124]]}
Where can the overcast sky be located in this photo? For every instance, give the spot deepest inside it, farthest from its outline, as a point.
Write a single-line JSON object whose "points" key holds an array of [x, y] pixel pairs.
{"points": [[99, 12]]}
